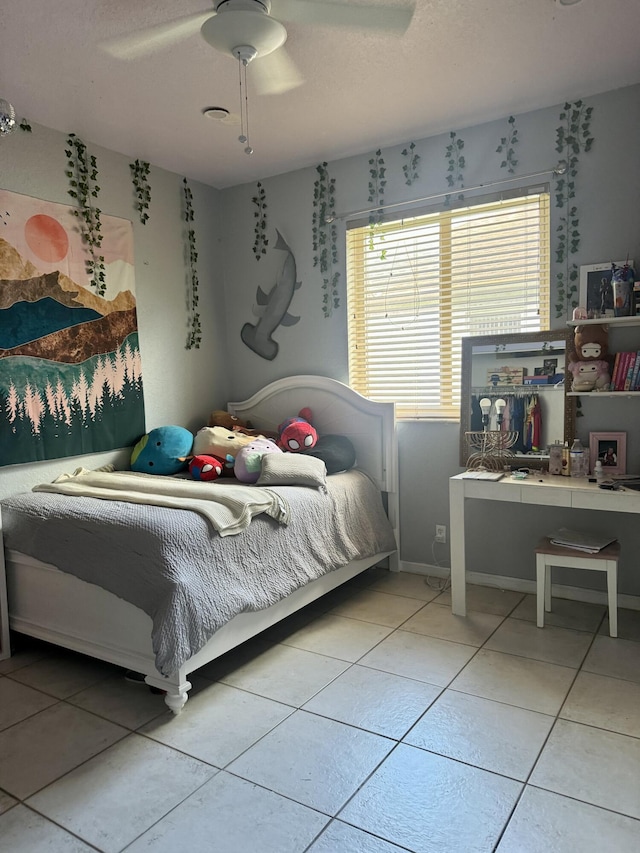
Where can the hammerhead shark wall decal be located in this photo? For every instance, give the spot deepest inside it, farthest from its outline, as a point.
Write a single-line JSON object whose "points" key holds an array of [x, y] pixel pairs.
{"points": [[273, 307]]}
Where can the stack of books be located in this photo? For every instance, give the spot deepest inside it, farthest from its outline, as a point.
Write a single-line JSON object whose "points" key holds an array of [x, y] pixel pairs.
{"points": [[625, 375], [587, 542]]}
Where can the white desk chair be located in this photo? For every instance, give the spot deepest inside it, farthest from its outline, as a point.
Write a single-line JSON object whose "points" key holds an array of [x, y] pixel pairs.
{"points": [[606, 560]]}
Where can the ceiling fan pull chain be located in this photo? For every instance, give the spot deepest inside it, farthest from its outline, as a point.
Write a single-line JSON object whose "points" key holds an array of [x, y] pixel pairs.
{"points": [[242, 137], [248, 149], [244, 105]]}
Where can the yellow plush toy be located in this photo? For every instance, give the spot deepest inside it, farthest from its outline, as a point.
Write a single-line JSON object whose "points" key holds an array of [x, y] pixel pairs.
{"points": [[221, 442]]}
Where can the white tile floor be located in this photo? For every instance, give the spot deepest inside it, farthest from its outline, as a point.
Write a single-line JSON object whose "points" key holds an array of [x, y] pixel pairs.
{"points": [[374, 722]]}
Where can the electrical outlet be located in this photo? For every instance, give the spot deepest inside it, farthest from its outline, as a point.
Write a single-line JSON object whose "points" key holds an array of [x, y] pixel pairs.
{"points": [[441, 532]]}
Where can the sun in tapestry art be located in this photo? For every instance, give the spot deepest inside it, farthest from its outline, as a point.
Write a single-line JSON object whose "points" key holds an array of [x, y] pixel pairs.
{"points": [[70, 374]]}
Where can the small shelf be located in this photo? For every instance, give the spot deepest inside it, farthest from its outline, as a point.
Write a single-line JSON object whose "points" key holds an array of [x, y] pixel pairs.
{"points": [[603, 393], [505, 389], [633, 320]]}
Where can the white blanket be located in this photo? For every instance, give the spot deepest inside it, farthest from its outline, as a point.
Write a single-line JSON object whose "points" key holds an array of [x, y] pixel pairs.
{"points": [[228, 506]]}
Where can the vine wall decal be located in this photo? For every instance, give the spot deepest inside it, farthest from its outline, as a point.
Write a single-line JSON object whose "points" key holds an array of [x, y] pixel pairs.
{"points": [[194, 338], [82, 172], [377, 184], [260, 241], [410, 166], [325, 238], [573, 138], [140, 178], [455, 165], [507, 147]]}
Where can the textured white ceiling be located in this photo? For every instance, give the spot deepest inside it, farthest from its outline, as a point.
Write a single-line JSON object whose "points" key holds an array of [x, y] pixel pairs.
{"points": [[461, 62]]}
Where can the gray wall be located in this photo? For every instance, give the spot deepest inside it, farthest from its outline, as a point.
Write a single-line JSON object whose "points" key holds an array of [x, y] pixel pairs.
{"points": [[180, 386], [606, 194], [183, 386]]}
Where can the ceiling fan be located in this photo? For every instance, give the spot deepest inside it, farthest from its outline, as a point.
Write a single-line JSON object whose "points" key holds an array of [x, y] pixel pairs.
{"points": [[245, 30]]}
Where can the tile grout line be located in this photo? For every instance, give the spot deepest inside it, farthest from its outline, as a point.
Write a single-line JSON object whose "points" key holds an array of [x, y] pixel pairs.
{"points": [[557, 717]]}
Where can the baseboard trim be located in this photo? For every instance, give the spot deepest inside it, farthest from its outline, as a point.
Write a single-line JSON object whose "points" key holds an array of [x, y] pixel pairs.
{"points": [[573, 593]]}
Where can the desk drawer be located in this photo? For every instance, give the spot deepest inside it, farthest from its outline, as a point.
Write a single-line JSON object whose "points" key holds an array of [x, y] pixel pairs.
{"points": [[547, 496], [607, 501], [487, 490]]}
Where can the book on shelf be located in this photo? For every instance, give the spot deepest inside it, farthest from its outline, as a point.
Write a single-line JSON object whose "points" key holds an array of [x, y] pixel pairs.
{"points": [[630, 368], [636, 373], [625, 373], [614, 372], [588, 542], [622, 371]]}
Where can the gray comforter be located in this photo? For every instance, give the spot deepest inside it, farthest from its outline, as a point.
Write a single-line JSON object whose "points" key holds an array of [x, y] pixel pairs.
{"points": [[189, 580]]}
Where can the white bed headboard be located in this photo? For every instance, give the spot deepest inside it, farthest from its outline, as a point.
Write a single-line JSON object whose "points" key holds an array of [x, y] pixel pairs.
{"points": [[336, 410]]}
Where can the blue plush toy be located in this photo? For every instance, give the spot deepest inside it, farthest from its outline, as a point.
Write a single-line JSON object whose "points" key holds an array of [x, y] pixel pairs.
{"points": [[164, 450]]}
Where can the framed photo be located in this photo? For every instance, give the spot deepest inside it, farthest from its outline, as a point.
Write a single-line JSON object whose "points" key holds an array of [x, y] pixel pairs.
{"points": [[549, 366], [611, 449], [596, 290]]}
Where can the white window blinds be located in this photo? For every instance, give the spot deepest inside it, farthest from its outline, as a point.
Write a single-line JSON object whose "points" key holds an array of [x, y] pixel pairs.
{"points": [[416, 286]]}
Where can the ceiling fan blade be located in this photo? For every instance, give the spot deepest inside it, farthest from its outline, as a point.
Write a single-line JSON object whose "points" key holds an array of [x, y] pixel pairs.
{"points": [[367, 16], [151, 39], [275, 73]]}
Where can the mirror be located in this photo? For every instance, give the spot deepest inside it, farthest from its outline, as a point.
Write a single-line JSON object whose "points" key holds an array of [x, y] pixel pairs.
{"points": [[527, 371]]}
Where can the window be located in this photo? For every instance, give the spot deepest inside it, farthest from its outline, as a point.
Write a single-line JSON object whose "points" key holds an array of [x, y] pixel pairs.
{"points": [[416, 286]]}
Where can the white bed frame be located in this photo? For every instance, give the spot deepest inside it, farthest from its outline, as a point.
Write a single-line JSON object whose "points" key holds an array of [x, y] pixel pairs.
{"points": [[60, 608]]}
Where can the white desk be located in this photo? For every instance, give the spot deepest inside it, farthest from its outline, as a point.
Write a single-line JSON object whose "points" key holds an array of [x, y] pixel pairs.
{"points": [[540, 489]]}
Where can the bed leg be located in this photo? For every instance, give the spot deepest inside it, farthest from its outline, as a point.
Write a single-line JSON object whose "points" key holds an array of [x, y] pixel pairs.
{"points": [[175, 690], [176, 701]]}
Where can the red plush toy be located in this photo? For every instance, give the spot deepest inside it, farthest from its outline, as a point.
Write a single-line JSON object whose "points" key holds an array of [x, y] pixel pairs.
{"points": [[297, 434], [206, 467]]}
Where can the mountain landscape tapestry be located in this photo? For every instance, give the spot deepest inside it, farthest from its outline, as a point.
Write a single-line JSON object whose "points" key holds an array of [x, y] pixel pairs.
{"points": [[70, 373]]}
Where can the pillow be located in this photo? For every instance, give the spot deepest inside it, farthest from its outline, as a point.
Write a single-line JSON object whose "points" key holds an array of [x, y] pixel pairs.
{"points": [[292, 469], [336, 451]]}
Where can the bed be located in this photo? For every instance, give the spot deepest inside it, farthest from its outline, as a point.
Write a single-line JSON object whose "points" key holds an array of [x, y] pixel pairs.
{"points": [[48, 601]]}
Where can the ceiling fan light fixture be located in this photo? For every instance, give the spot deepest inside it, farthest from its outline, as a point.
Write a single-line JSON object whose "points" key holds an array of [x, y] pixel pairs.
{"points": [[230, 29]]}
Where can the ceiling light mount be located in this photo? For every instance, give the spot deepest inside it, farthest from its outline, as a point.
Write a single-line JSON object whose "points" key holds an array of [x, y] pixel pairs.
{"points": [[244, 22], [245, 53], [264, 5]]}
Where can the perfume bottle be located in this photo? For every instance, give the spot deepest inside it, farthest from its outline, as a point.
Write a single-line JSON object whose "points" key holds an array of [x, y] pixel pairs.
{"points": [[577, 459]]}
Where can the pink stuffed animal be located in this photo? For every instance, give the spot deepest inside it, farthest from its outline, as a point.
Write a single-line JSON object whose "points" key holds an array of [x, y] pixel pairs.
{"points": [[590, 375], [587, 361]]}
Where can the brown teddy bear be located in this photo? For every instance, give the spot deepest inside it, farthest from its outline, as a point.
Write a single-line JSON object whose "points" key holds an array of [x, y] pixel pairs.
{"points": [[591, 343], [225, 419]]}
